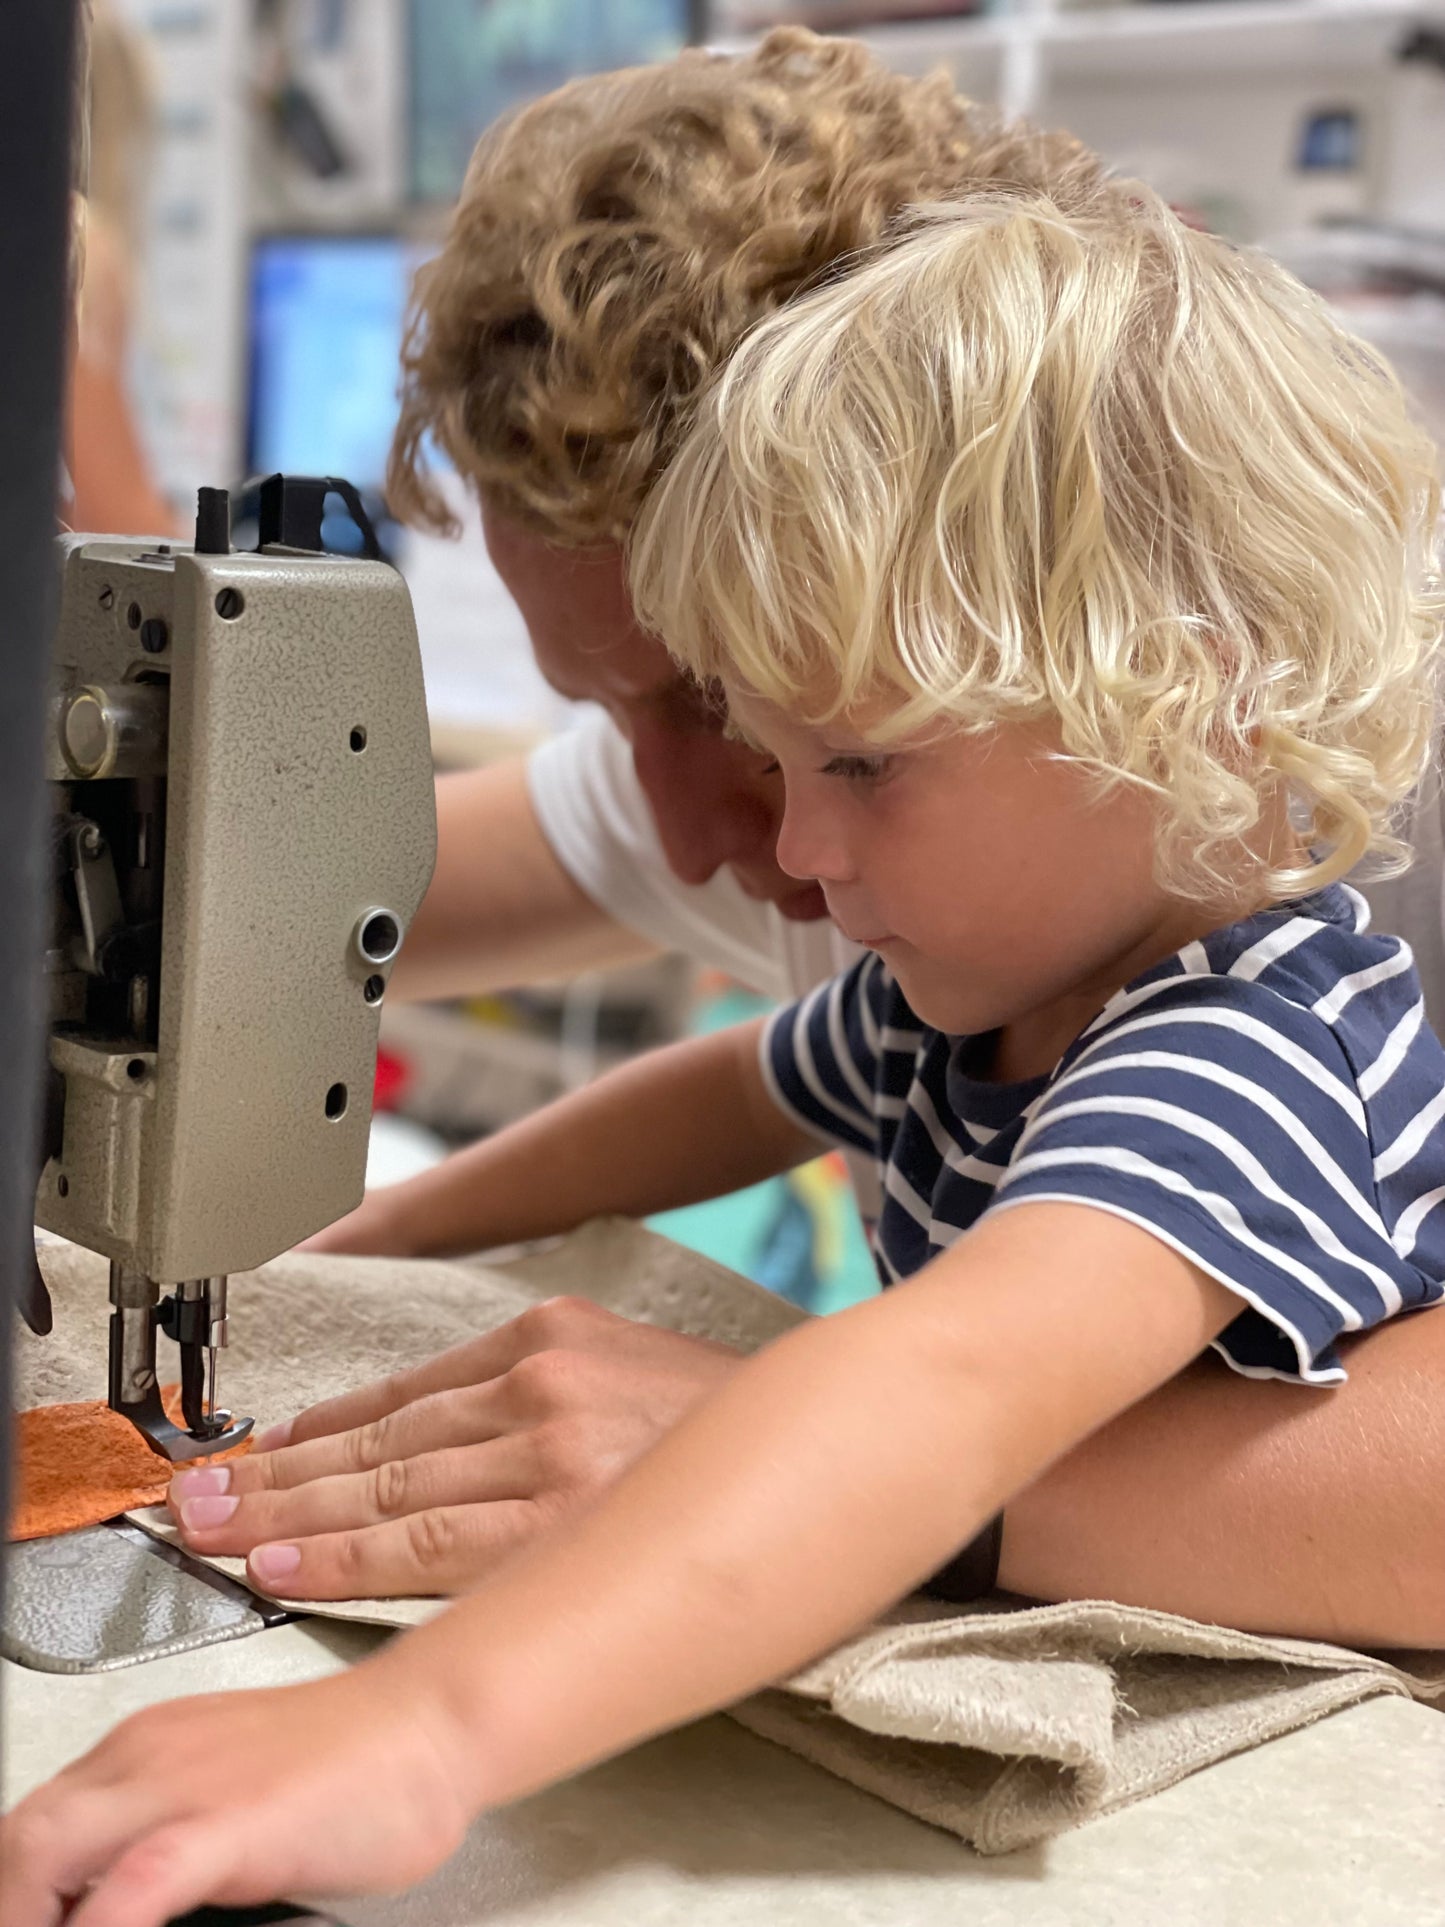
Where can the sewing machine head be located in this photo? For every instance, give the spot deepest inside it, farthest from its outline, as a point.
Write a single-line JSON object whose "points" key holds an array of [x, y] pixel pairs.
{"points": [[244, 825]]}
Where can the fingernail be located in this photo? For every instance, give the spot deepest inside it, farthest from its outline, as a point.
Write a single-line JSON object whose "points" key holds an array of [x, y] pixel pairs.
{"points": [[273, 1438], [199, 1514], [270, 1563], [203, 1483]]}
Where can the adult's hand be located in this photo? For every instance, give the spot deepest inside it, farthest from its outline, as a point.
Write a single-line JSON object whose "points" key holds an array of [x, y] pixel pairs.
{"points": [[425, 1481]]}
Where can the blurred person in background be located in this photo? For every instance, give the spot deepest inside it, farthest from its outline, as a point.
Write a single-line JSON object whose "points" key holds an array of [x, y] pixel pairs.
{"points": [[113, 490], [613, 244]]}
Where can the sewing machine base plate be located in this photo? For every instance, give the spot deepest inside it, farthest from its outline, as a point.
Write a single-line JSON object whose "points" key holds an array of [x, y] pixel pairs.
{"points": [[111, 1596]]}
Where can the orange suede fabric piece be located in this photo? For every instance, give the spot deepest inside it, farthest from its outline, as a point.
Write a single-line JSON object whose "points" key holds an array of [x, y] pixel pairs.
{"points": [[79, 1464]]}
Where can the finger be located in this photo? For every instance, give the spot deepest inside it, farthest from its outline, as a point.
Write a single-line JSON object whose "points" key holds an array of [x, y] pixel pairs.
{"points": [[464, 1366], [447, 1550], [55, 1843], [506, 1468], [170, 1871], [472, 1415], [559, 1323], [36, 1877]]}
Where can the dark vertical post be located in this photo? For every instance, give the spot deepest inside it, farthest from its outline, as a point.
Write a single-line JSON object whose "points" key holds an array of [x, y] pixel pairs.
{"points": [[36, 94]]}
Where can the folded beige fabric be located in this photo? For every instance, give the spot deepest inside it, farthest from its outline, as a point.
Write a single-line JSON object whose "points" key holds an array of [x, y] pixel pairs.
{"points": [[1001, 1723]]}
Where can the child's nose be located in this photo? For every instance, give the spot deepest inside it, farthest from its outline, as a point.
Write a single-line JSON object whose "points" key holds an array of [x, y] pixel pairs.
{"points": [[810, 845]]}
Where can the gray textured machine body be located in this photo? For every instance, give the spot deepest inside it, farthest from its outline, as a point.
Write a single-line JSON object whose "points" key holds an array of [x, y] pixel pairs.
{"points": [[252, 727]]}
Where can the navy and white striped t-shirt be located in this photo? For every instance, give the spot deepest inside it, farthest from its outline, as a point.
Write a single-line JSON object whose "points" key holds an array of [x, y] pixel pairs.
{"points": [[1269, 1101]]}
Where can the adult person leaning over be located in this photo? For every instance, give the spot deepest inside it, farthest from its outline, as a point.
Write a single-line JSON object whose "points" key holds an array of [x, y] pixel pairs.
{"points": [[612, 244]]}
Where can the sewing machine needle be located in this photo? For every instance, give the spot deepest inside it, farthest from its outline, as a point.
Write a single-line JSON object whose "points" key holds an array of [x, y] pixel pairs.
{"points": [[212, 1413]]}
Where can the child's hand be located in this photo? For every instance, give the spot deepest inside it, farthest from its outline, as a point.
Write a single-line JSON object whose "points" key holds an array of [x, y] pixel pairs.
{"points": [[349, 1785]]}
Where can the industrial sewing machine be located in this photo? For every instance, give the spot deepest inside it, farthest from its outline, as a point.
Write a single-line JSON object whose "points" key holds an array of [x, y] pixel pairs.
{"points": [[243, 828]]}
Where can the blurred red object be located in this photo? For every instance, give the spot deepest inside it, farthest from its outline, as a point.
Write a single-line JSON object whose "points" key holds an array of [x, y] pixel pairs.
{"points": [[393, 1074]]}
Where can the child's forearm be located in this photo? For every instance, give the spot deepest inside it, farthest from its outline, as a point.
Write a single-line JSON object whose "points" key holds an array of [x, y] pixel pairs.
{"points": [[823, 1481], [689, 1122]]}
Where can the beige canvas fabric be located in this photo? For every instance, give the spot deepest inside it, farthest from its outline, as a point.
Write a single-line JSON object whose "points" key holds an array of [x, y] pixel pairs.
{"points": [[1002, 1723]]}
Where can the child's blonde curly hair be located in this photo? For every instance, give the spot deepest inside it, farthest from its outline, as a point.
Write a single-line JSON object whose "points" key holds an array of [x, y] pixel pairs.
{"points": [[1085, 464], [615, 240]]}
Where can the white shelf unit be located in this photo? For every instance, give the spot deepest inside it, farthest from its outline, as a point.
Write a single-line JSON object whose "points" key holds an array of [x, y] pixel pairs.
{"points": [[1035, 40], [1208, 97], [189, 354]]}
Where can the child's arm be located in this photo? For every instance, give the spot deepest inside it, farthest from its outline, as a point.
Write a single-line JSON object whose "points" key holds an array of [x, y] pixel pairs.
{"points": [[824, 1481], [689, 1122], [828, 1476]]}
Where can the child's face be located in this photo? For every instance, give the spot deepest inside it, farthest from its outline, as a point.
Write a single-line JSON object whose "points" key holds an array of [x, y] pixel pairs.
{"points": [[993, 880]]}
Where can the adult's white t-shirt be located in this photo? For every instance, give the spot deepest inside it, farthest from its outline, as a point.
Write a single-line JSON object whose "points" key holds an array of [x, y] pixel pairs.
{"points": [[593, 813]]}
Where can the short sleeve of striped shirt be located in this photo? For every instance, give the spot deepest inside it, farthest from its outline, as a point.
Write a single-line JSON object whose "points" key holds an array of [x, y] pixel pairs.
{"points": [[821, 1055], [1227, 1120]]}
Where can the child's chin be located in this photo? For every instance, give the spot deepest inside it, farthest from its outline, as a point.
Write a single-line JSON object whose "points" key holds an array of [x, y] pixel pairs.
{"points": [[942, 1006]]}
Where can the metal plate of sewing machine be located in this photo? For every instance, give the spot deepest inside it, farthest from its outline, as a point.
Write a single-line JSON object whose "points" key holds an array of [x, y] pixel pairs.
{"points": [[110, 1596]]}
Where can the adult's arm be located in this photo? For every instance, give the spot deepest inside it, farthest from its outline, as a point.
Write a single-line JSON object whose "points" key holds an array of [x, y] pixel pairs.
{"points": [[501, 910], [1253, 1503]]}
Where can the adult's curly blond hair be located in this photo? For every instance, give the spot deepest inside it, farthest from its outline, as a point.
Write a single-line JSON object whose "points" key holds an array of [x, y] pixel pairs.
{"points": [[1082, 465], [615, 240]]}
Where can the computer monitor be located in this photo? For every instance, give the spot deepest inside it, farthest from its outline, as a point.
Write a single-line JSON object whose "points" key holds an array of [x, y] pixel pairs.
{"points": [[326, 315], [469, 61]]}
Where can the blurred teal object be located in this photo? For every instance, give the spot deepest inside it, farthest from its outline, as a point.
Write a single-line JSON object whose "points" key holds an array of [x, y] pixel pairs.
{"points": [[800, 1235], [468, 62]]}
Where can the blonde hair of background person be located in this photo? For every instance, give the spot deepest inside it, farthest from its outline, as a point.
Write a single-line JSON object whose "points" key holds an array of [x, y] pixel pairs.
{"points": [[836, 1469], [1150, 490], [114, 490], [1220, 1499]]}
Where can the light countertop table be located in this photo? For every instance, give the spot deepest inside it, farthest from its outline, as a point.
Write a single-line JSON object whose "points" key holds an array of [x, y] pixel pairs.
{"points": [[1340, 1825]]}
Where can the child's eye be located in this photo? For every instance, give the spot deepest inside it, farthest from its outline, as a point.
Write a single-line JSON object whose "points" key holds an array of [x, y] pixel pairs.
{"points": [[859, 769], [770, 769]]}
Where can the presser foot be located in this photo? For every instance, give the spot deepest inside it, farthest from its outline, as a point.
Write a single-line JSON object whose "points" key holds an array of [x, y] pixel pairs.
{"points": [[194, 1315], [172, 1442]]}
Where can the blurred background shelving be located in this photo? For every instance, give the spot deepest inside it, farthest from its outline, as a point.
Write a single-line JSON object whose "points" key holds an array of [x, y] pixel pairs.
{"points": [[304, 153]]}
